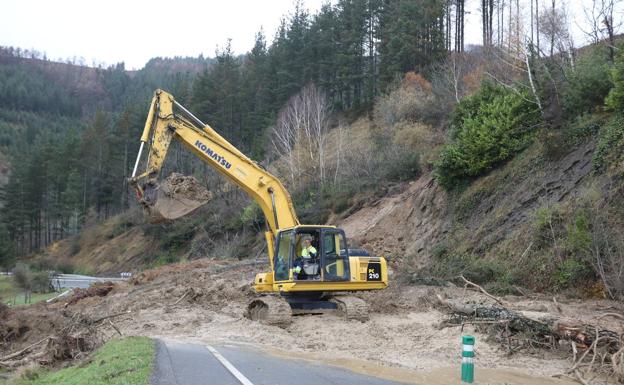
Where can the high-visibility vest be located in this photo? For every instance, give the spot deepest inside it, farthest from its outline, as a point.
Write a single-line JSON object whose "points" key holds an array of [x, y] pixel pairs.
{"points": [[306, 252]]}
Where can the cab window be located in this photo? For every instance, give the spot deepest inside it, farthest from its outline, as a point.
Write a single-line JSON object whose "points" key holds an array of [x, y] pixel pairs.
{"points": [[336, 257], [282, 256]]}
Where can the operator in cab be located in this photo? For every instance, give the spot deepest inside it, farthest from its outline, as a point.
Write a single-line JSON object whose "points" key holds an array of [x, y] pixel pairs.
{"points": [[307, 250], [305, 258]]}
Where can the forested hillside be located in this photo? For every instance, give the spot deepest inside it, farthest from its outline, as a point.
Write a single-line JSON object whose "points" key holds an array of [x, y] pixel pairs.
{"points": [[67, 132], [73, 127], [348, 106]]}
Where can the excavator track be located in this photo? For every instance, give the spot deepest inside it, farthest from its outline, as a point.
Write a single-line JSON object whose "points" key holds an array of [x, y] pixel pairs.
{"points": [[271, 310], [351, 308]]}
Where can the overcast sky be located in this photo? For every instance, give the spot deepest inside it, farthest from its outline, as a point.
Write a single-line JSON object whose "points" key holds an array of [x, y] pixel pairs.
{"points": [[134, 31]]}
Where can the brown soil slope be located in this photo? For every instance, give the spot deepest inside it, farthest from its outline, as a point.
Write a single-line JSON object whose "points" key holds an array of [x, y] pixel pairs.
{"points": [[490, 217], [102, 249], [409, 223]]}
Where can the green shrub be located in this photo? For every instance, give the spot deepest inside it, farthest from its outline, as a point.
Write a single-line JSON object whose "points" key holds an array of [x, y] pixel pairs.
{"points": [[406, 167], [610, 143], [450, 266], [543, 221], [486, 128], [588, 83], [65, 267], [615, 99], [41, 282], [177, 236], [252, 215], [23, 276], [164, 258], [340, 203], [571, 272], [579, 234], [439, 250], [585, 126]]}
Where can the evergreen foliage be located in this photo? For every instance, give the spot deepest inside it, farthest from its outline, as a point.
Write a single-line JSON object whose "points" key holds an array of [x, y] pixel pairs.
{"points": [[610, 144], [7, 252], [588, 83], [615, 99], [486, 128]]}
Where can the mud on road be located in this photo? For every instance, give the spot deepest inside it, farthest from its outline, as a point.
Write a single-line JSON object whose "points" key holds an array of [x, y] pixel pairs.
{"points": [[205, 301]]}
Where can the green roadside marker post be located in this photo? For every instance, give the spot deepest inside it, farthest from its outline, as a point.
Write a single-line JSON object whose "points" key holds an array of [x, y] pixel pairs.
{"points": [[467, 366]]}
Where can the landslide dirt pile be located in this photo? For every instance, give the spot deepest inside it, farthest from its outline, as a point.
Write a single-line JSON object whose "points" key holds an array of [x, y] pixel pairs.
{"points": [[47, 334], [205, 302], [96, 290], [43, 336], [174, 197], [410, 222]]}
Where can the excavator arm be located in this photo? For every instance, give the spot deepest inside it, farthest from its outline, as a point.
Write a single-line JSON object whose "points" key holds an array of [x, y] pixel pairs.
{"points": [[168, 120]]}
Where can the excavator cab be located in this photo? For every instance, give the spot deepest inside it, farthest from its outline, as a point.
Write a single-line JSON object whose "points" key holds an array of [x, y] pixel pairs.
{"points": [[328, 262], [317, 284]]}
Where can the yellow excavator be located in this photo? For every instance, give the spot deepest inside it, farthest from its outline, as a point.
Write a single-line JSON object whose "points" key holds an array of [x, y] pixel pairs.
{"points": [[300, 281]]}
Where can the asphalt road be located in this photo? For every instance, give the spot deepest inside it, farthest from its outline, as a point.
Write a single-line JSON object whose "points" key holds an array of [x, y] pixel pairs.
{"points": [[190, 364], [72, 281]]}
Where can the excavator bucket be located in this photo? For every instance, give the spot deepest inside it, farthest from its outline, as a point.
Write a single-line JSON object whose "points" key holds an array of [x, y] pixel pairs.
{"points": [[175, 197]]}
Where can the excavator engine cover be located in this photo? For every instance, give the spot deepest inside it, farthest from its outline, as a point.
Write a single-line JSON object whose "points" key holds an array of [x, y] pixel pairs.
{"points": [[176, 196]]}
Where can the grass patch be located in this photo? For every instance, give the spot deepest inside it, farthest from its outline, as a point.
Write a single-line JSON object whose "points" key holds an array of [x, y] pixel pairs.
{"points": [[34, 298], [13, 296], [127, 361], [6, 285]]}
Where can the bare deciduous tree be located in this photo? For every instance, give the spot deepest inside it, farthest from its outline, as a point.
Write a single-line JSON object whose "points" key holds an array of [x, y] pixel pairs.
{"points": [[607, 249], [554, 28], [299, 136], [602, 25], [515, 63]]}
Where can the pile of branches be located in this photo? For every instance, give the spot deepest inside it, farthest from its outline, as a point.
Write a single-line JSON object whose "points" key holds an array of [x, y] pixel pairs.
{"points": [[78, 335], [596, 351]]}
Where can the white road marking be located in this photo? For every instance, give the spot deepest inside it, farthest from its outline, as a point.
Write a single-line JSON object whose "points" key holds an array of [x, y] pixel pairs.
{"points": [[239, 376]]}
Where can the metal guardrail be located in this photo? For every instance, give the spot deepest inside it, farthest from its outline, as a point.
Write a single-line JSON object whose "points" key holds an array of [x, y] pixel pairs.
{"points": [[73, 281]]}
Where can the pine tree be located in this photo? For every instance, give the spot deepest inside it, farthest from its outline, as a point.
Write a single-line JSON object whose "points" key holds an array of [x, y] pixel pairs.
{"points": [[7, 250], [256, 96], [410, 37]]}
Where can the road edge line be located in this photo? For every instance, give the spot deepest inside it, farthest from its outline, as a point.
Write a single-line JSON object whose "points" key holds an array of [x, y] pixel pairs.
{"points": [[228, 365]]}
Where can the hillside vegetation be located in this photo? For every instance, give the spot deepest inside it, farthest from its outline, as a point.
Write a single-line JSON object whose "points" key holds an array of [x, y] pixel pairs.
{"points": [[501, 163]]}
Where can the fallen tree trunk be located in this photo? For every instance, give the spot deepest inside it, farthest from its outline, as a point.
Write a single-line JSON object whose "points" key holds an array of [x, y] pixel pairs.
{"points": [[603, 348], [546, 328]]}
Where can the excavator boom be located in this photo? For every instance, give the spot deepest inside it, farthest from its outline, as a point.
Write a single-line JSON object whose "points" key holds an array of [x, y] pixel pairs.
{"points": [[167, 120]]}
